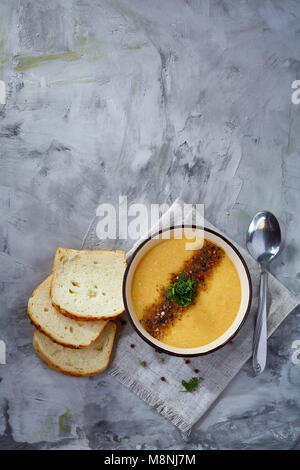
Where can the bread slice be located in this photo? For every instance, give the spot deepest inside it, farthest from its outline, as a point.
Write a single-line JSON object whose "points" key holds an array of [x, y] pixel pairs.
{"points": [[87, 284], [77, 362], [62, 330]]}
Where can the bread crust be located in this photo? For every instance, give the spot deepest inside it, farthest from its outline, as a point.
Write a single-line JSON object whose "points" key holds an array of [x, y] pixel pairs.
{"points": [[55, 340], [73, 315], [56, 368]]}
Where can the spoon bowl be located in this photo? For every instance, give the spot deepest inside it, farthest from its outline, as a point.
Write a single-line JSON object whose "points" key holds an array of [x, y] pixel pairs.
{"points": [[264, 237]]}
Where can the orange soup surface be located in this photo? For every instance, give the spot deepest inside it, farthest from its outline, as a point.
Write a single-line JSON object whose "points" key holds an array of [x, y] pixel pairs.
{"points": [[214, 307]]}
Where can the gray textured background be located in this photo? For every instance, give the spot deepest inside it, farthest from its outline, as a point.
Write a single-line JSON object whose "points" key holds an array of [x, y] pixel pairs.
{"points": [[154, 100]]}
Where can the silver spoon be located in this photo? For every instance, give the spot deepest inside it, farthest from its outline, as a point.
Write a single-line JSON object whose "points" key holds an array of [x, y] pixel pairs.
{"points": [[263, 243]]}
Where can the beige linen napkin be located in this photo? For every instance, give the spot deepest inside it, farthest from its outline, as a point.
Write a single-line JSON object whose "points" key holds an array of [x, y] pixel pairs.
{"points": [[217, 369]]}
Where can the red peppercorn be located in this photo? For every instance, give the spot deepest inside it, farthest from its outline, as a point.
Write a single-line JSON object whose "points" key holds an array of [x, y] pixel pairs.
{"points": [[200, 276], [132, 346], [187, 361]]}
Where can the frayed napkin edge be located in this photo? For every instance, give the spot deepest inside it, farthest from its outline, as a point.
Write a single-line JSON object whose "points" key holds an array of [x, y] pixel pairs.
{"points": [[152, 400]]}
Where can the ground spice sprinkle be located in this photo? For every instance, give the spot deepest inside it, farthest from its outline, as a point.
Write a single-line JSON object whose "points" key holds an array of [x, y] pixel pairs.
{"points": [[159, 316]]}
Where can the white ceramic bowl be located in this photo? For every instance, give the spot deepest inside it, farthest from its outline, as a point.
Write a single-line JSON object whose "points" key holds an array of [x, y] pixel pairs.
{"points": [[245, 281]]}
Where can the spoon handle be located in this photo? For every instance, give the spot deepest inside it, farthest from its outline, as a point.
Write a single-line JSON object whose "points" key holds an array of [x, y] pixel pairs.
{"points": [[260, 333]]}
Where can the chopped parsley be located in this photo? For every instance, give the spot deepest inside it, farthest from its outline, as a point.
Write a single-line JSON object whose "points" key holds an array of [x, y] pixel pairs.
{"points": [[191, 385], [183, 292]]}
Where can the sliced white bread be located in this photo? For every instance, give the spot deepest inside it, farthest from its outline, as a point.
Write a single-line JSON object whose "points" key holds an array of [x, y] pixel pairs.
{"points": [[87, 284], [63, 330], [77, 362]]}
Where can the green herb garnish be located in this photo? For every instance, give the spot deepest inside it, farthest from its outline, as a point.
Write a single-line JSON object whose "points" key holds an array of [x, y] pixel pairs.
{"points": [[183, 292], [191, 385]]}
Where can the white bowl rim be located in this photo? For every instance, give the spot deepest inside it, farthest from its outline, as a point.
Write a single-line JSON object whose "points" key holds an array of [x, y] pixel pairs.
{"points": [[216, 344]]}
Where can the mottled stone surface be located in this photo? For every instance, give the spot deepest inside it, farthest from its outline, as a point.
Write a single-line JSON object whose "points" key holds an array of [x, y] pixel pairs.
{"points": [[153, 100]]}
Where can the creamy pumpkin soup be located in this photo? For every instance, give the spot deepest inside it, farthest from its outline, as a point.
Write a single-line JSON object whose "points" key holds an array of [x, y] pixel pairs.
{"points": [[186, 298]]}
